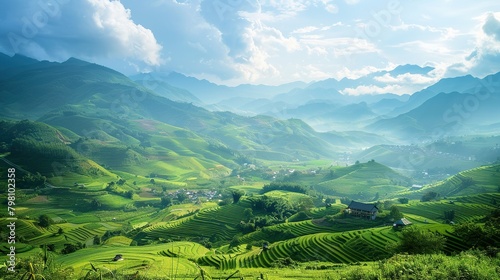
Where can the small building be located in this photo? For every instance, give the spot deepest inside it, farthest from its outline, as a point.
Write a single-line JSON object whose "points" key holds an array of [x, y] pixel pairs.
{"points": [[365, 210], [118, 257], [402, 222]]}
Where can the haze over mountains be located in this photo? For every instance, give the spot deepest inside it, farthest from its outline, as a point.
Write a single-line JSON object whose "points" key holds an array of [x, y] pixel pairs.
{"points": [[292, 121], [327, 105], [87, 140]]}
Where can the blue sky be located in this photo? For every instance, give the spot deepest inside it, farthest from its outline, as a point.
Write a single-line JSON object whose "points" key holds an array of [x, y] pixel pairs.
{"points": [[261, 42]]}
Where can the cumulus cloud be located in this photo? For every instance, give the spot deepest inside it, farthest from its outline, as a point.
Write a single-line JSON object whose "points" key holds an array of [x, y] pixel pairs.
{"points": [[492, 26], [484, 59], [87, 29], [228, 19], [250, 42]]}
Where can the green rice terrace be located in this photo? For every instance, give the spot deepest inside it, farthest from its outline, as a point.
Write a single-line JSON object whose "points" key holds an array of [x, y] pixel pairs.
{"points": [[130, 206], [271, 230]]}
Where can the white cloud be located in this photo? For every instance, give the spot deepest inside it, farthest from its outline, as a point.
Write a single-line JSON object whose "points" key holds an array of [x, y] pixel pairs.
{"points": [[407, 78], [267, 41], [286, 8], [357, 73], [307, 29], [130, 40], [342, 45], [330, 7], [484, 59], [372, 89], [86, 29], [491, 26]]}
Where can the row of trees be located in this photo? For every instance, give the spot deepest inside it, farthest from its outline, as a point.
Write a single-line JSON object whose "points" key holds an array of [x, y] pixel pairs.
{"points": [[284, 186]]}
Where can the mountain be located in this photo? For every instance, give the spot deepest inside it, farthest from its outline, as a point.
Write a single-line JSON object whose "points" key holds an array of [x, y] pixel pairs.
{"points": [[370, 79], [7, 62], [211, 93], [168, 91], [325, 115], [445, 114], [122, 124], [386, 105], [447, 85]]}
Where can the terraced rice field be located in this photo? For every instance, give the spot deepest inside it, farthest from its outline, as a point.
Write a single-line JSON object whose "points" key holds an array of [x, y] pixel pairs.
{"points": [[147, 261], [346, 247], [220, 221], [184, 249], [24, 228], [464, 211]]}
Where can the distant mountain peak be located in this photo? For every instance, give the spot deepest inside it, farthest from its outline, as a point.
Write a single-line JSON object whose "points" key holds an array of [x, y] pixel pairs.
{"points": [[16, 60], [412, 69], [76, 62]]}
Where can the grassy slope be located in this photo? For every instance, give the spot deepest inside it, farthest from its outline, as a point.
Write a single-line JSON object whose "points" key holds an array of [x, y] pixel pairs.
{"points": [[364, 180], [484, 179]]}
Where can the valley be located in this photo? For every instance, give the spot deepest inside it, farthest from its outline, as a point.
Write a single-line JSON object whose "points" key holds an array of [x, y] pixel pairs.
{"points": [[161, 176]]}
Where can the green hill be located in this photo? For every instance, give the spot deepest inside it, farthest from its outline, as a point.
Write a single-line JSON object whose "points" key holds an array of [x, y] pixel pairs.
{"points": [[365, 181], [92, 102], [484, 179]]}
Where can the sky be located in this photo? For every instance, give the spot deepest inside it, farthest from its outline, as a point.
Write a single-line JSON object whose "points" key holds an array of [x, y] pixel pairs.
{"points": [[261, 42]]}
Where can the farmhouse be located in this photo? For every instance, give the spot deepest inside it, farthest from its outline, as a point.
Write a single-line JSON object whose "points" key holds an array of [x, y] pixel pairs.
{"points": [[402, 222], [118, 257], [359, 209]]}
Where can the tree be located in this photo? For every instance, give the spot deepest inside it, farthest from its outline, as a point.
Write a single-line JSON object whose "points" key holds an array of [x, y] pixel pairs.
{"points": [[44, 221], [471, 234], [429, 196], [95, 203], [70, 248], [181, 196], [395, 213], [129, 194], [449, 215], [305, 204], [417, 241], [330, 200], [248, 213], [403, 200], [166, 201], [97, 240], [121, 182], [237, 194]]}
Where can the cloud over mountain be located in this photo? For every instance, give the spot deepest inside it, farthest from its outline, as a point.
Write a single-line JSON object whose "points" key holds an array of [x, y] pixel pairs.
{"points": [[485, 57], [250, 41], [56, 30]]}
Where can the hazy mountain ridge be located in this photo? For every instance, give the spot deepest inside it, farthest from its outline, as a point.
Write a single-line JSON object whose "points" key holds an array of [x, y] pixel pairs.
{"points": [[298, 102], [103, 155], [86, 98], [83, 97], [452, 113], [211, 93]]}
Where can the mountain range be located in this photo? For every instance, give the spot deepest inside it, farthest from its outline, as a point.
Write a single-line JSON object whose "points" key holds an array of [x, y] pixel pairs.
{"points": [[195, 126]]}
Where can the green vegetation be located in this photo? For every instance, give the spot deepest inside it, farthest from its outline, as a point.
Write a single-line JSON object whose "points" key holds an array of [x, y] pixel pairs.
{"points": [[157, 189]]}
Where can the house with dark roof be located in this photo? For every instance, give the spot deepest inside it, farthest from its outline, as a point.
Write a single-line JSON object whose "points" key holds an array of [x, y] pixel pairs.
{"points": [[402, 222], [365, 210]]}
